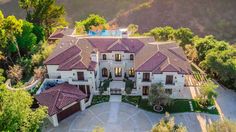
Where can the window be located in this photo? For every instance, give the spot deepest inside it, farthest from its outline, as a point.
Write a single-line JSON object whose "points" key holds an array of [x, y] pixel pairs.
{"points": [[131, 57], [104, 72], [118, 72], [168, 91], [104, 57], [80, 75], [131, 72], [169, 80], [117, 57], [145, 90], [146, 77]]}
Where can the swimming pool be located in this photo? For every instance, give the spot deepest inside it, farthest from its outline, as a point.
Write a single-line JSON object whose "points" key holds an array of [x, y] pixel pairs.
{"points": [[105, 33]]}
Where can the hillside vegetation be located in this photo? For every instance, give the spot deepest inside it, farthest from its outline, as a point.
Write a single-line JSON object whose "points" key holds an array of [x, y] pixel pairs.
{"points": [[204, 17]]}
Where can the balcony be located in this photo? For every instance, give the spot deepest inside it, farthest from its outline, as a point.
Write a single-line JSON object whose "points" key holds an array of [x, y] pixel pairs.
{"points": [[146, 80], [78, 82]]}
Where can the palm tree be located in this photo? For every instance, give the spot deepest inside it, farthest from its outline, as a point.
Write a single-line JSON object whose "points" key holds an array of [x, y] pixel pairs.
{"points": [[158, 97], [15, 73], [39, 72]]}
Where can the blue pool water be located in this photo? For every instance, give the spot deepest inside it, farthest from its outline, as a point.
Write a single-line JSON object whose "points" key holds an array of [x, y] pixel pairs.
{"points": [[105, 33]]}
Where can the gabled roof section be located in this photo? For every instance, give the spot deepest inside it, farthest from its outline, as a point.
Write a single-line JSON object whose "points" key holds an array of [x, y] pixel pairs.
{"points": [[118, 46], [60, 33], [101, 43], [59, 97], [152, 63], [64, 56]]}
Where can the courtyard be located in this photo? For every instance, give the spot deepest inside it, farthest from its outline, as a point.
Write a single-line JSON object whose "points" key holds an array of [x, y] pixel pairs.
{"points": [[117, 117]]}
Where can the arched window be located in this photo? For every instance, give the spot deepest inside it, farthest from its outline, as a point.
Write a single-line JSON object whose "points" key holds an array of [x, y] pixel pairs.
{"points": [[131, 72], [131, 57], [104, 56], [104, 72]]}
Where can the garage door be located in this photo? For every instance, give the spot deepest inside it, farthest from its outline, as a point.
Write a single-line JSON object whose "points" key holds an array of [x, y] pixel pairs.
{"points": [[69, 111]]}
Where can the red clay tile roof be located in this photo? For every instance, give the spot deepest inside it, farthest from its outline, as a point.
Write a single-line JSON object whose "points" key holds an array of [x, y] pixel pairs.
{"points": [[60, 33], [150, 56], [64, 56], [118, 47], [59, 97], [152, 63]]}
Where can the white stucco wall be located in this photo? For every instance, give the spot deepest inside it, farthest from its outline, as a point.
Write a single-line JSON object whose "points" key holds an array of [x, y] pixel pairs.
{"points": [[110, 63], [71, 76], [52, 71], [178, 80]]}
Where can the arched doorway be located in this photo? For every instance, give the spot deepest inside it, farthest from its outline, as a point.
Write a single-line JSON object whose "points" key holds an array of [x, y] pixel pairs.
{"points": [[104, 72]]}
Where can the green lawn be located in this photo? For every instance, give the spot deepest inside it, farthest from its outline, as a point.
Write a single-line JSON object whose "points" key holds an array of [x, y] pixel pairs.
{"points": [[100, 99], [134, 100], [177, 106]]}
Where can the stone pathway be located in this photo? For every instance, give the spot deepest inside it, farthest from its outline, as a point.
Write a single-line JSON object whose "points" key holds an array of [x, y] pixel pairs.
{"points": [[115, 98]]}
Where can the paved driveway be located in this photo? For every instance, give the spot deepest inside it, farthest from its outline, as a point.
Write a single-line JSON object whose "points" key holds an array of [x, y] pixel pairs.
{"points": [[122, 117], [227, 101]]}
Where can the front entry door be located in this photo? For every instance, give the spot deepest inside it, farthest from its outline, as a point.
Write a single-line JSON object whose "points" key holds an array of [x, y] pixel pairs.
{"points": [[145, 90]]}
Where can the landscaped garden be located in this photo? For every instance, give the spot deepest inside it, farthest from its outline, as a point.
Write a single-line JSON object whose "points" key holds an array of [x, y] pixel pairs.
{"points": [[133, 100], [100, 99], [178, 106], [159, 101]]}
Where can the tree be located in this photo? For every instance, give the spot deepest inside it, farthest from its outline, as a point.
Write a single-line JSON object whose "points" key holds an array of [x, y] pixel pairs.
{"points": [[15, 73], [191, 52], [221, 65], [80, 29], [45, 13], [224, 125], [184, 36], [15, 111], [39, 72], [207, 93], [92, 20], [2, 78], [132, 28], [203, 45], [27, 41], [157, 96], [162, 33], [167, 124], [9, 28]]}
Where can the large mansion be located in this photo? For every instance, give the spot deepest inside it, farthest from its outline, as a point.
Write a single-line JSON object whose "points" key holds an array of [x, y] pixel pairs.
{"points": [[86, 61]]}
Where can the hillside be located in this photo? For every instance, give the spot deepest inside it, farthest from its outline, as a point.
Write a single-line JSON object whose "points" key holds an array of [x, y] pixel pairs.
{"points": [[215, 17], [202, 16]]}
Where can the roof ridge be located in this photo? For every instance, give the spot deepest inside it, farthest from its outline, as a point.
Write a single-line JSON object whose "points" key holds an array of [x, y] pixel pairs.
{"points": [[123, 43], [159, 66], [114, 43], [60, 53], [150, 58], [63, 64], [170, 49]]}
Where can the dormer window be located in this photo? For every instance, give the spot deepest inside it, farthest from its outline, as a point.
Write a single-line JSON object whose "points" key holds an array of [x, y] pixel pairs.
{"points": [[104, 57], [131, 57], [117, 57]]}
